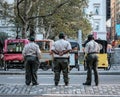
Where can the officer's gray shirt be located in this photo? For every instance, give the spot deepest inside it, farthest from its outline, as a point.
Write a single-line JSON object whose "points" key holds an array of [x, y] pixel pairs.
{"points": [[61, 45], [31, 49], [92, 46]]}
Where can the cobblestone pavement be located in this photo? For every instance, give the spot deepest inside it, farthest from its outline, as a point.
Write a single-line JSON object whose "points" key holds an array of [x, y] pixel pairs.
{"points": [[61, 90], [73, 90]]}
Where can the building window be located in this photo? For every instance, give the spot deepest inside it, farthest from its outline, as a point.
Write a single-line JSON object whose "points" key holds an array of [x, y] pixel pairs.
{"points": [[96, 9], [96, 26]]}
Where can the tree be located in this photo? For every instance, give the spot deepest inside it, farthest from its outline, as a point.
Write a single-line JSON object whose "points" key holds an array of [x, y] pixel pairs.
{"points": [[51, 18], [69, 18], [39, 15], [3, 36], [7, 16]]}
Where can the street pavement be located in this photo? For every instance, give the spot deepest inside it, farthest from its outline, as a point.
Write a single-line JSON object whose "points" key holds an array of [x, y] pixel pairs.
{"points": [[72, 90]]}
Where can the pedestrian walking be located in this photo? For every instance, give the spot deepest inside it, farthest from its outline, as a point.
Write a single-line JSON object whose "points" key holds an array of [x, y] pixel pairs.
{"points": [[60, 50], [91, 50], [31, 53]]}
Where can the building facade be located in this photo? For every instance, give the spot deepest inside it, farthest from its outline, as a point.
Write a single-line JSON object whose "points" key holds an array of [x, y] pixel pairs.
{"points": [[108, 20], [96, 13], [108, 9], [115, 19]]}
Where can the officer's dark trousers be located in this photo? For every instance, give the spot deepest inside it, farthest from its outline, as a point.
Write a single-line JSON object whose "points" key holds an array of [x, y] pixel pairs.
{"points": [[61, 65], [92, 62], [31, 71]]}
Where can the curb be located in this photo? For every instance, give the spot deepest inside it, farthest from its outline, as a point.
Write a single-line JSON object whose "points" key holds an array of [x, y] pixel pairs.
{"points": [[71, 73]]}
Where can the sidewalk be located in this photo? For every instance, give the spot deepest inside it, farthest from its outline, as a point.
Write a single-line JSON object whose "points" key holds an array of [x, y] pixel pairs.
{"points": [[114, 70], [73, 90]]}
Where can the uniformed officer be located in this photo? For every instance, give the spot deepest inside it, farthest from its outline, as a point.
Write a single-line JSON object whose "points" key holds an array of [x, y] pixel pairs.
{"points": [[61, 48], [31, 53], [91, 49]]}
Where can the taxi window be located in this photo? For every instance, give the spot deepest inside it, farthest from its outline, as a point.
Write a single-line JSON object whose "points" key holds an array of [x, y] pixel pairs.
{"points": [[44, 45], [15, 47]]}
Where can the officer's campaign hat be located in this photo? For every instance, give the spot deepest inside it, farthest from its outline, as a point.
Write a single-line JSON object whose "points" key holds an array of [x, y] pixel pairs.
{"points": [[90, 37], [32, 38], [61, 34]]}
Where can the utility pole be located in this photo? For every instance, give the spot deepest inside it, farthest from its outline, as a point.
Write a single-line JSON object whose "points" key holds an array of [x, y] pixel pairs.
{"points": [[80, 39]]}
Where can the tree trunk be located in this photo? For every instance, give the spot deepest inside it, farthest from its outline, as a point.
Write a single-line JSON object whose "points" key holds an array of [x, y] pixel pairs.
{"points": [[32, 32], [48, 32], [24, 31]]}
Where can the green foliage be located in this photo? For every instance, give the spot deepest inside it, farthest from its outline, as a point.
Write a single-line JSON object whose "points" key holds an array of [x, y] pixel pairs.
{"points": [[62, 15], [69, 19]]}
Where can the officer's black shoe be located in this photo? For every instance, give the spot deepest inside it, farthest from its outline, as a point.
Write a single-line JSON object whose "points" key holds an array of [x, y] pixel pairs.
{"points": [[66, 83], [27, 84], [34, 84], [56, 83], [87, 84], [96, 84]]}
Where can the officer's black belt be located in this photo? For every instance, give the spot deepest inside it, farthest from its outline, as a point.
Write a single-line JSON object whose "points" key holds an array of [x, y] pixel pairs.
{"points": [[30, 56], [61, 57], [92, 53]]}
